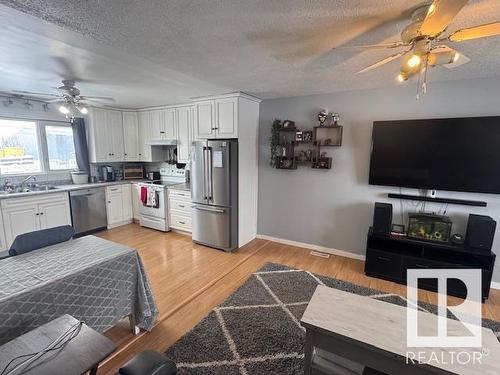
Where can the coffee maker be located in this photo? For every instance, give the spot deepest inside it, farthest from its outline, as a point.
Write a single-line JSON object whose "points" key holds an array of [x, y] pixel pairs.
{"points": [[106, 173]]}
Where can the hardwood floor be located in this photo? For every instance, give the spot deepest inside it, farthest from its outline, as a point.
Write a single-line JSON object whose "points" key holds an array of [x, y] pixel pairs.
{"points": [[189, 280]]}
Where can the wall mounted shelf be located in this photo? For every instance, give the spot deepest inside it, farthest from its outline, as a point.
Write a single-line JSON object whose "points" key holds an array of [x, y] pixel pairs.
{"points": [[288, 139]]}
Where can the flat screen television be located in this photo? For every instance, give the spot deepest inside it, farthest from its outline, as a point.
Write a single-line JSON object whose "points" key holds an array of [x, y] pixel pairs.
{"points": [[457, 154]]}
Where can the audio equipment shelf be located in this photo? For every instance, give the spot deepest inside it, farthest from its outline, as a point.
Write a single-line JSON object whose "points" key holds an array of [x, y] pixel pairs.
{"points": [[389, 257], [463, 202]]}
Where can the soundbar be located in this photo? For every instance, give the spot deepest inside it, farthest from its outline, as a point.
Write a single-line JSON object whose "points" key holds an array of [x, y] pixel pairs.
{"points": [[462, 202]]}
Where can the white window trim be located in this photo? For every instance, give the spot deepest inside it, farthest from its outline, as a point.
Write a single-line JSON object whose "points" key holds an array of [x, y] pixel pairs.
{"points": [[42, 148], [45, 152]]}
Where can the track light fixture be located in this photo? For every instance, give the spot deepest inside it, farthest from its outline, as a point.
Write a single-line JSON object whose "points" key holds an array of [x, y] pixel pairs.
{"points": [[8, 102], [28, 104]]}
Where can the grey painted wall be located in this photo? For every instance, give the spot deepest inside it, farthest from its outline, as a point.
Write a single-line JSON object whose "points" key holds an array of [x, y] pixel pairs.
{"points": [[334, 208]]}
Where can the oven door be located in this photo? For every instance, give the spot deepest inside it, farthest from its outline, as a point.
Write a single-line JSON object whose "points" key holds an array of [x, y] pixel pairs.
{"points": [[161, 210]]}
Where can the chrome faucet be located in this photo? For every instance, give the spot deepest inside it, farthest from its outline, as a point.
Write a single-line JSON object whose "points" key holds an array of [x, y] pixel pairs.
{"points": [[32, 177]]}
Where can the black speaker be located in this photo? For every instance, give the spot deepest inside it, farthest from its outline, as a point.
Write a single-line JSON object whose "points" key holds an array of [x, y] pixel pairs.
{"points": [[382, 219], [480, 232]]}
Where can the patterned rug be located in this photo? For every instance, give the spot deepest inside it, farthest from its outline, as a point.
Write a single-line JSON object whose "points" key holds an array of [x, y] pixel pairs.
{"points": [[257, 330]]}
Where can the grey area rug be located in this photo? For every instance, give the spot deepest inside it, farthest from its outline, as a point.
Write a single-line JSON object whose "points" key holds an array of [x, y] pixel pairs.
{"points": [[257, 330]]}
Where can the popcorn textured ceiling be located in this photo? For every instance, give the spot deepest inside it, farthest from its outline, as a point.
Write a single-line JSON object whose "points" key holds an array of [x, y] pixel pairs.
{"points": [[158, 52]]}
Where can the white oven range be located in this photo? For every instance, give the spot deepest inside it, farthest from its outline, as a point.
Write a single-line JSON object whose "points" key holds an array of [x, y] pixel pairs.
{"points": [[156, 217]]}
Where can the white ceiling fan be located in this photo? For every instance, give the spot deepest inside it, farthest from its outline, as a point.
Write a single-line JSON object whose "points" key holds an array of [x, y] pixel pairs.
{"points": [[422, 41], [69, 98]]}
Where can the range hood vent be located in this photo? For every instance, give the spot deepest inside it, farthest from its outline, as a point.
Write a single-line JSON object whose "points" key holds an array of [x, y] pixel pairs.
{"points": [[161, 142]]}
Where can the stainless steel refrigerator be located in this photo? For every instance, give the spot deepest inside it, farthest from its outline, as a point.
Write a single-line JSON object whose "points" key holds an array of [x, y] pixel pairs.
{"points": [[214, 190]]}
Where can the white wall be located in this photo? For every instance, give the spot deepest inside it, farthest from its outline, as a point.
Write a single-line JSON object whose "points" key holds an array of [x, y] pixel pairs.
{"points": [[334, 208]]}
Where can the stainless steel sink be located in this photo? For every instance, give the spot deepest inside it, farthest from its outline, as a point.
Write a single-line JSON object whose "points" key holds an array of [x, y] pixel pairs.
{"points": [[20, 190], [43, 188]]}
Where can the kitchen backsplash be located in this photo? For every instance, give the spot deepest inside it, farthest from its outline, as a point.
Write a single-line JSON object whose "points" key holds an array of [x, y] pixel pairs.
{"points": [[148, 167]]}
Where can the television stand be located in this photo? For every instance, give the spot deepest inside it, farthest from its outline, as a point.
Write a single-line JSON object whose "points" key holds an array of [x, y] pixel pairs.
{"points": [[389, 257]]}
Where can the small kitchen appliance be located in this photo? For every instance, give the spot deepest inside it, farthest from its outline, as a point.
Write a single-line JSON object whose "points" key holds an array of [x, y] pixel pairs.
{"points": [[153, 176], [106, 173]]}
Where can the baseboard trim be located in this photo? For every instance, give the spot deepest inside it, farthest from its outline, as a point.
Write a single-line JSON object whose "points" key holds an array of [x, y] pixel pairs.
{"points": [[495, 285], [323, 249]]}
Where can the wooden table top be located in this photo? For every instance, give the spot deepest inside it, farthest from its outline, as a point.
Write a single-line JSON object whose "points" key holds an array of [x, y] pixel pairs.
{"points": [[83, 352], [381, 326]]}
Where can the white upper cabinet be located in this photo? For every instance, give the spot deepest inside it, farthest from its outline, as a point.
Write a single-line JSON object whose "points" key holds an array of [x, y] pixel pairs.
{"points": [[184, 122], [156, 122], [115, 135], [220, 117], [168, 128], [121, 136], [144, 120], [98, 136], [105, 136], [131, 136], [204, 123], [226, 117]]}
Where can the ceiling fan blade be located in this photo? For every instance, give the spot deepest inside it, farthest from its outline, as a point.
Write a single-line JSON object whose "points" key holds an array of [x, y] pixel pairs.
{"points": [[374, 46], [383, 62], [34, 93], [476, 32], [440, 15], [98, 98]]}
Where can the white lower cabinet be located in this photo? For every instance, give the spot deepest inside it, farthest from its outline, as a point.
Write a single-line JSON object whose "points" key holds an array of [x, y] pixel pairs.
{"points": [[23, 215], [3, 242], [179, 209], [119, 205], [136, 202]]}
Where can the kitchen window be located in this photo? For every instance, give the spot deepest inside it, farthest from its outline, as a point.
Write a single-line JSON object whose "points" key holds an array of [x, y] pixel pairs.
{"points": [[35, 147], [60, 147]]}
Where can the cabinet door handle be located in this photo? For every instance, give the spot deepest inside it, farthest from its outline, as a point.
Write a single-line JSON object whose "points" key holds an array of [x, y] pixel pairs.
{"points": [[181, 205], [182, 222], [109, 202], [41, 213], [37, 214], [384, 259]]}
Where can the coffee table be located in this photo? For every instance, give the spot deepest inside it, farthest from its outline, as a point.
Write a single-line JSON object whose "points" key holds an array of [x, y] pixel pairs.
{"points": [[372, 333]]}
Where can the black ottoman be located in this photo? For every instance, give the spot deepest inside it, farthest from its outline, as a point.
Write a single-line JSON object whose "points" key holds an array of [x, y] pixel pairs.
{"points": [[149, 362]]}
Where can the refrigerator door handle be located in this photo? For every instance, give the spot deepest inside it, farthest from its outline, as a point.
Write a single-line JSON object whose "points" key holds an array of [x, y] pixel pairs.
{"points": [[205, 173], [211, 209], [209, 174]]}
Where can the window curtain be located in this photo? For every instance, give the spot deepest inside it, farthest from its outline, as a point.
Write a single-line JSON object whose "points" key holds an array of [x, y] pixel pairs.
{"points": [[81, 149]]}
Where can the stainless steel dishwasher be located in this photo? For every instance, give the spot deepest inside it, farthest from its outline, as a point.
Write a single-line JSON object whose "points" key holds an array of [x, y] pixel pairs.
{"points": [[88, 210]]}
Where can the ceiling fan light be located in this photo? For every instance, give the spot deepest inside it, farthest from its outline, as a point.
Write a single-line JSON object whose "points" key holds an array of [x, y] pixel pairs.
{"points": [[456, 57], [64, 109], [401, 77], [431, 9], [414, 61], [83, 110]]}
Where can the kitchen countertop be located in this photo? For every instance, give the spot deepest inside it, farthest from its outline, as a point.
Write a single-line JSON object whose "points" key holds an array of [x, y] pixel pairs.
{"points": [[66, 188]]}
